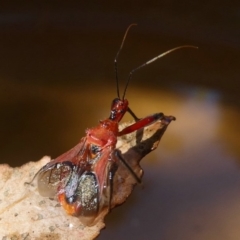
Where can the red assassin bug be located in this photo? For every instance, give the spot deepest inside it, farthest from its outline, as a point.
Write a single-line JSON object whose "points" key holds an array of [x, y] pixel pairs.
{"points": [[82, 178]]}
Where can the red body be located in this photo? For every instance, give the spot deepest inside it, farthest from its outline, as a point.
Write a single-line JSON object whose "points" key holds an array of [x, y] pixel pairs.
{"points": [[81, 178]]}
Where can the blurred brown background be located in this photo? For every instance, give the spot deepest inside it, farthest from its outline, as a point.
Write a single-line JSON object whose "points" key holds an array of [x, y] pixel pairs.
{"points": [[57, 79]]}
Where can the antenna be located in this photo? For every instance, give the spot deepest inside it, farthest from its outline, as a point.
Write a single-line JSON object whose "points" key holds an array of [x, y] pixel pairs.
{"points": [[150, 61], [116, 58]]}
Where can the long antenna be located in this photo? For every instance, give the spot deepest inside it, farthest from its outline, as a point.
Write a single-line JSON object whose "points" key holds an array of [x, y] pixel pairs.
{"points": [[116, 58], [150, 61]]}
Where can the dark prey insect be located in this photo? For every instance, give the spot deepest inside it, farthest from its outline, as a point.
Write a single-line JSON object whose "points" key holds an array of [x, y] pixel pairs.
{"points": [[82, 178]]}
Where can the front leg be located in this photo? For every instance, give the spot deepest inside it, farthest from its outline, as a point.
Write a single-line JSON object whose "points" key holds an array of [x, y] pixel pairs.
{"points": [[143, 122], [133, 114]]}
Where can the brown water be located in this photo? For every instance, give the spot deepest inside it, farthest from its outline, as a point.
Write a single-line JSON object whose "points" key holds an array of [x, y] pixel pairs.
{"points": [[57, 79], [191, 186], [192, 182]]}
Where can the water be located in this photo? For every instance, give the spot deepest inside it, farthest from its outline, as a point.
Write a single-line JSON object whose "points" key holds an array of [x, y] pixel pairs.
{"points": [[192, 182], [191, 186], [57, 79]]}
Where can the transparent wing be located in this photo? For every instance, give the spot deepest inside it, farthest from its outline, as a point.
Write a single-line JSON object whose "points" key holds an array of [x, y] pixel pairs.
{"points": [[54, 176]]}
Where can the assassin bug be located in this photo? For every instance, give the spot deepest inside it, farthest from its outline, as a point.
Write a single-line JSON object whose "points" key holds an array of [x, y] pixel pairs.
{"points": [[82, 178]]}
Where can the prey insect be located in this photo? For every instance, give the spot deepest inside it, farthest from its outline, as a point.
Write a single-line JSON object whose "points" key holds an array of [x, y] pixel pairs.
{"points": [[82, 178]]}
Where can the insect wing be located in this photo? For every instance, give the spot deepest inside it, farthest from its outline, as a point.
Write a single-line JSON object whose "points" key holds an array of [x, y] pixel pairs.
{"points": [[104, 169], [53, 176], [88, 194]]}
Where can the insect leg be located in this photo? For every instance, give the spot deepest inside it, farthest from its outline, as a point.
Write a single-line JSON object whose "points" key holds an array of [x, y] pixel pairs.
{"points": [[133, 114], [110, 178], [142, 123], [34, 177], [119, 156]]}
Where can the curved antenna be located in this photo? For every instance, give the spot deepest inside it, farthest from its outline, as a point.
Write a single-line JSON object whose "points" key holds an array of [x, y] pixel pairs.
{"points": [[153, 60], [116, 58]]}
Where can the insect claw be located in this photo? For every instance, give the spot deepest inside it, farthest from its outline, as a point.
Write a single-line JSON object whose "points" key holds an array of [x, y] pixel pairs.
{"points": [[169, 118]]}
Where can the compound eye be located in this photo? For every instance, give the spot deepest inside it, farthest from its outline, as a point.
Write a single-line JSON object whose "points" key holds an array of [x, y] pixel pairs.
{"points": [[114, 102]]}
